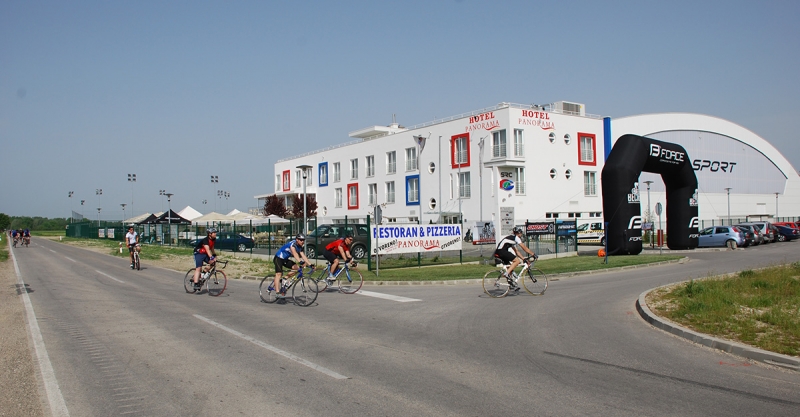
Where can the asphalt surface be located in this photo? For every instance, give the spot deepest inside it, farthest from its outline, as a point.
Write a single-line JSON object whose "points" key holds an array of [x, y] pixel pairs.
{"points": [[125, 342]]}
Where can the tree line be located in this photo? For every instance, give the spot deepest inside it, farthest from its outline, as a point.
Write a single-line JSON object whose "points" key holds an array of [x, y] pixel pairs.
{"points": [[32, 223]]}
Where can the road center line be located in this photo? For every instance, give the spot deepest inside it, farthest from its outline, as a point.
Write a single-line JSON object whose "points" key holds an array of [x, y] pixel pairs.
{"points": [[103, 273], [397, 298], [271, 348], [71, 259]]}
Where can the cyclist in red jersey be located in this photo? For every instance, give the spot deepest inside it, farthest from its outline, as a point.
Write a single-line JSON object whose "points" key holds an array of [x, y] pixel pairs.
{"points": [[204, 252], [336, 249]]}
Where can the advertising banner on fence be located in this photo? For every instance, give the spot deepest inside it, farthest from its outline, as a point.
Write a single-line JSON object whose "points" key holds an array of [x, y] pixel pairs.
{"points": [[539, 228], [480, 233], [413, 238], [101, 233], [566, 228], [110, 233]]}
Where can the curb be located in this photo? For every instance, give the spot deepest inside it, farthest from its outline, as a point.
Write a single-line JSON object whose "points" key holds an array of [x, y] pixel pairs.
{"points": [[749, 352]]}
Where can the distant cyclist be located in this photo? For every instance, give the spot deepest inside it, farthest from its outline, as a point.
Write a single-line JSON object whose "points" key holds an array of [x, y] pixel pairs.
{"points": [[26, 236], [204, 252], [507, 250], [132, 238], [293, 249], [336, 249]]}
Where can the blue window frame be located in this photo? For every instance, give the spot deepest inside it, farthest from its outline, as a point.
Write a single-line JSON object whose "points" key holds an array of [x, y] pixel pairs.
{"points": [[323, 174], [412, 190]]}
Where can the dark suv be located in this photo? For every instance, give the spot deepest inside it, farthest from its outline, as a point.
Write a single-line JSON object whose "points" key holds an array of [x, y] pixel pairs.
{"points": [[327, 233]]}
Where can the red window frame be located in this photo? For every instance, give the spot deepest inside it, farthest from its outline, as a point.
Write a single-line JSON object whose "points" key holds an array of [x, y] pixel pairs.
{"points": [[286, 179], [594, 148], [349, 187], [454, 150]]}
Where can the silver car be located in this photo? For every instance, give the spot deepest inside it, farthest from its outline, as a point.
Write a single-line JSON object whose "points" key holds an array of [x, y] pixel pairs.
{"points": [[765, 229], [729, 236]]}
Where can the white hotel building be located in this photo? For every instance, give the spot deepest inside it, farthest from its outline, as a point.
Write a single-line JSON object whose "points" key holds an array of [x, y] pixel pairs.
{"points": [[510, 163]]}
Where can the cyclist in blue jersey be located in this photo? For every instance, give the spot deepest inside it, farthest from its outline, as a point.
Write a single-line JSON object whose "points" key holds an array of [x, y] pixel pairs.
{"points": [[292, 249]]}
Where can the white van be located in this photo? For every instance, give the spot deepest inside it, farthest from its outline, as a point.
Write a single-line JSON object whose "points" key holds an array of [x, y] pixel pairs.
{"points": [[591, 232]]}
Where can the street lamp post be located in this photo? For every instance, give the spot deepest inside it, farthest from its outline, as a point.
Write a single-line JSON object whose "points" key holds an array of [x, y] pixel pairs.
{"points": [[131, 179], [215, 181], [481, 142], [776, 206], [304, 169], [728, 189], [169, 215], [162, 192], [649, 216], [98, 217], [123, 214], [71, 217]]}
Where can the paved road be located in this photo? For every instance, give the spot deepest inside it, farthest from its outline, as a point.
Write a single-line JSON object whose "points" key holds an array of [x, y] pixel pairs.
{"points": [[123, 342]]}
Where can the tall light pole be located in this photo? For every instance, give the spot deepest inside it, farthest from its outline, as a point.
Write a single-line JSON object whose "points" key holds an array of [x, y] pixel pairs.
{"points": [[82, 201], [162, 192], [776, 206], [169, 215], [728, 189], [98, 192], [215, 181], [481, 142], [304, 169], [227, 195], [71, 217], [123, 214], [98, 217], [649, 216], [131, 179]]}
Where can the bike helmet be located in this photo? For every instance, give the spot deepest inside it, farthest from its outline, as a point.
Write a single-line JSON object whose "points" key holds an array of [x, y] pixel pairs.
{"points": [[300, 237], [211, 230], [517, 230]]}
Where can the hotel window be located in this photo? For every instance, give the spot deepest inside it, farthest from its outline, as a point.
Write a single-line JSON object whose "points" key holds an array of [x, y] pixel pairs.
{"points": [[520, 186], [323, 174], [499, 144], [391, 162], [372, 193], [287, 182], [337, 172], [371, 166], [552, 137], [464, 185], [297, 177], [586, 149], [337, 195], [519, 145], [354, 169], [412, 190], [277, 182], [390, 191], [589, 183], [352, 196], [567, 139], [411, 159], [459, 148]]}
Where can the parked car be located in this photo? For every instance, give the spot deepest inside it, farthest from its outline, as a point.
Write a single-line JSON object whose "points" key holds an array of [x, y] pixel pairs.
{"points": [[230, 241], [749, 234], [729, 236], [763, 227], [327, 233], [786, 233], [793, 225]]}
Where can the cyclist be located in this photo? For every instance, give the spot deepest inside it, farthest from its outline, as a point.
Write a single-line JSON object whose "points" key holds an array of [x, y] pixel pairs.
{"points": [[334, 250], [204, 252], [14, 236], [508, 253], [132, 238], [294, 249]]}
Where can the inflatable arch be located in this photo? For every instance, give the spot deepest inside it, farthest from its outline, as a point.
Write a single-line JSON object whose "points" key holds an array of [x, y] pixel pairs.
{"points": [[621, 203]]}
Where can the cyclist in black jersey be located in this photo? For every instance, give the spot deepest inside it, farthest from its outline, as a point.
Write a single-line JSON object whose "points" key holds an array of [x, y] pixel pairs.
{"points": [[507, 249]]}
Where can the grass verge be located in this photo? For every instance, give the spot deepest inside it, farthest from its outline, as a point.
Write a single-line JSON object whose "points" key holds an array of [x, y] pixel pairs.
{"points": [[4, 250], [759, 308]]}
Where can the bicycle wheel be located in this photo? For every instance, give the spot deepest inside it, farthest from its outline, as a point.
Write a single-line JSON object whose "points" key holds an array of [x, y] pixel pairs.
{"points": [[136, 262], [188, 284], [267, 295], [495, 285], [217, 283], [350, 281], [320, 279], [304, 291], [534, 281]]}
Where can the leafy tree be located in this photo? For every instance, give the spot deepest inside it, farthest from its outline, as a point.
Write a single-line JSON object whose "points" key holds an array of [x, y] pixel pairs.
{"points": [[297, 206], [276, 206], [5, 221]]}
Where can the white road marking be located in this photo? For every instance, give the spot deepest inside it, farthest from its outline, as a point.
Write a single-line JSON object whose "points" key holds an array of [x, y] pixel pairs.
{"points": [[55, 399], [71, 259], [271, 348], [103, 273], [387, 296], [52, 251]]}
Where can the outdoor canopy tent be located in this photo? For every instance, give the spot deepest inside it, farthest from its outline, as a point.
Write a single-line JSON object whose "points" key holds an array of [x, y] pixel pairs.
{"points": [[212, 217], [171, 217], [189, 213]]}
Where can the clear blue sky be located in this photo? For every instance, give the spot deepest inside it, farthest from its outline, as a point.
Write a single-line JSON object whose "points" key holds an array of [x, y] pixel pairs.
{"points": [[177, 91]]}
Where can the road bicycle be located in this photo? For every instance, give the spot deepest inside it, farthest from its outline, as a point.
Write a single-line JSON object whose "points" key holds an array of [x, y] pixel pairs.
{"points": [[215, 280], [497, 284], [26, 240], [348, 280], [137, 265], [304, 290], [16, 240]]}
